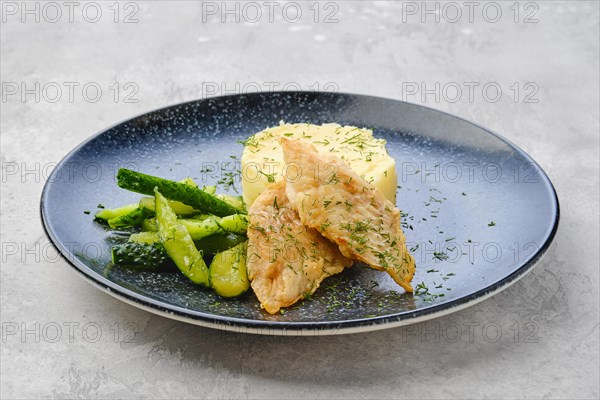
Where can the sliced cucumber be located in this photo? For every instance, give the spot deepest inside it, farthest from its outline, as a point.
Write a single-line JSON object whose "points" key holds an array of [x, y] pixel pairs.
{"points": [[228, 276]]}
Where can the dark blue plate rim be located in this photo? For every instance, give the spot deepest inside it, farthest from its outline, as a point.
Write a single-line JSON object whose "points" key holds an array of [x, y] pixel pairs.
{"points": [[300, 328]]}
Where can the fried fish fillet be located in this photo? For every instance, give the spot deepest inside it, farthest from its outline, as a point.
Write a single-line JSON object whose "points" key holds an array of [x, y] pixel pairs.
{"points": [[286, 260], [330, 197]]}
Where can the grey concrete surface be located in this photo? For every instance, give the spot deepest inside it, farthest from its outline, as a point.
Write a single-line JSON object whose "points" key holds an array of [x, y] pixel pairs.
{"points": [[176, 52]]}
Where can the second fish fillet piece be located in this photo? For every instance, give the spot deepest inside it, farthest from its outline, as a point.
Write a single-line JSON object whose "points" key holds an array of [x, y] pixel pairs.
{"points": [[330, 197], [286, 261]]}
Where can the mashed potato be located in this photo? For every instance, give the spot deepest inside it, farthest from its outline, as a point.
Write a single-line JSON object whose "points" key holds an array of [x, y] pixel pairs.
{"points": [[262, 159]]}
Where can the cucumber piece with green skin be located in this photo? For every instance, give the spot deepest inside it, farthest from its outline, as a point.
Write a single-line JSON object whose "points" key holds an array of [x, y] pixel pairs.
{"points": [[205, 226], [132, 218], [199, 229], [217, 243], [144, 237], [147, 203], [192, 196], [178, 243], [209, 245], [237, 223], [149, 225], [108, 213], [152, 256], [235, 201], [142, 256], [228, 276]]}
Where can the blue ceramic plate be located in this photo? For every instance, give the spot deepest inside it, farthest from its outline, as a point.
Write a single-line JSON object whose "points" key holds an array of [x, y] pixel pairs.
{"points": [[479, 211]]}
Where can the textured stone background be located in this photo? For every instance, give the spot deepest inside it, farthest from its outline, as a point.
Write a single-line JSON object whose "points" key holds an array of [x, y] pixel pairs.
{"points": [[172, 54]]}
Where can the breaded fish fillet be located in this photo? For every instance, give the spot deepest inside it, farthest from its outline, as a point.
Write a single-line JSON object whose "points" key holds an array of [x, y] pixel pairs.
{"points": [[286, 260], [330, 197]]}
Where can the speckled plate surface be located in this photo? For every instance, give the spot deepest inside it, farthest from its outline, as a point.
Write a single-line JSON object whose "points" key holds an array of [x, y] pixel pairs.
{"points": [[479, 211]]}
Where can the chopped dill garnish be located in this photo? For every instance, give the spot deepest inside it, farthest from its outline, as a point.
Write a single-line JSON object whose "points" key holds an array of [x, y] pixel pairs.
{"points": [[270, 177]]}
